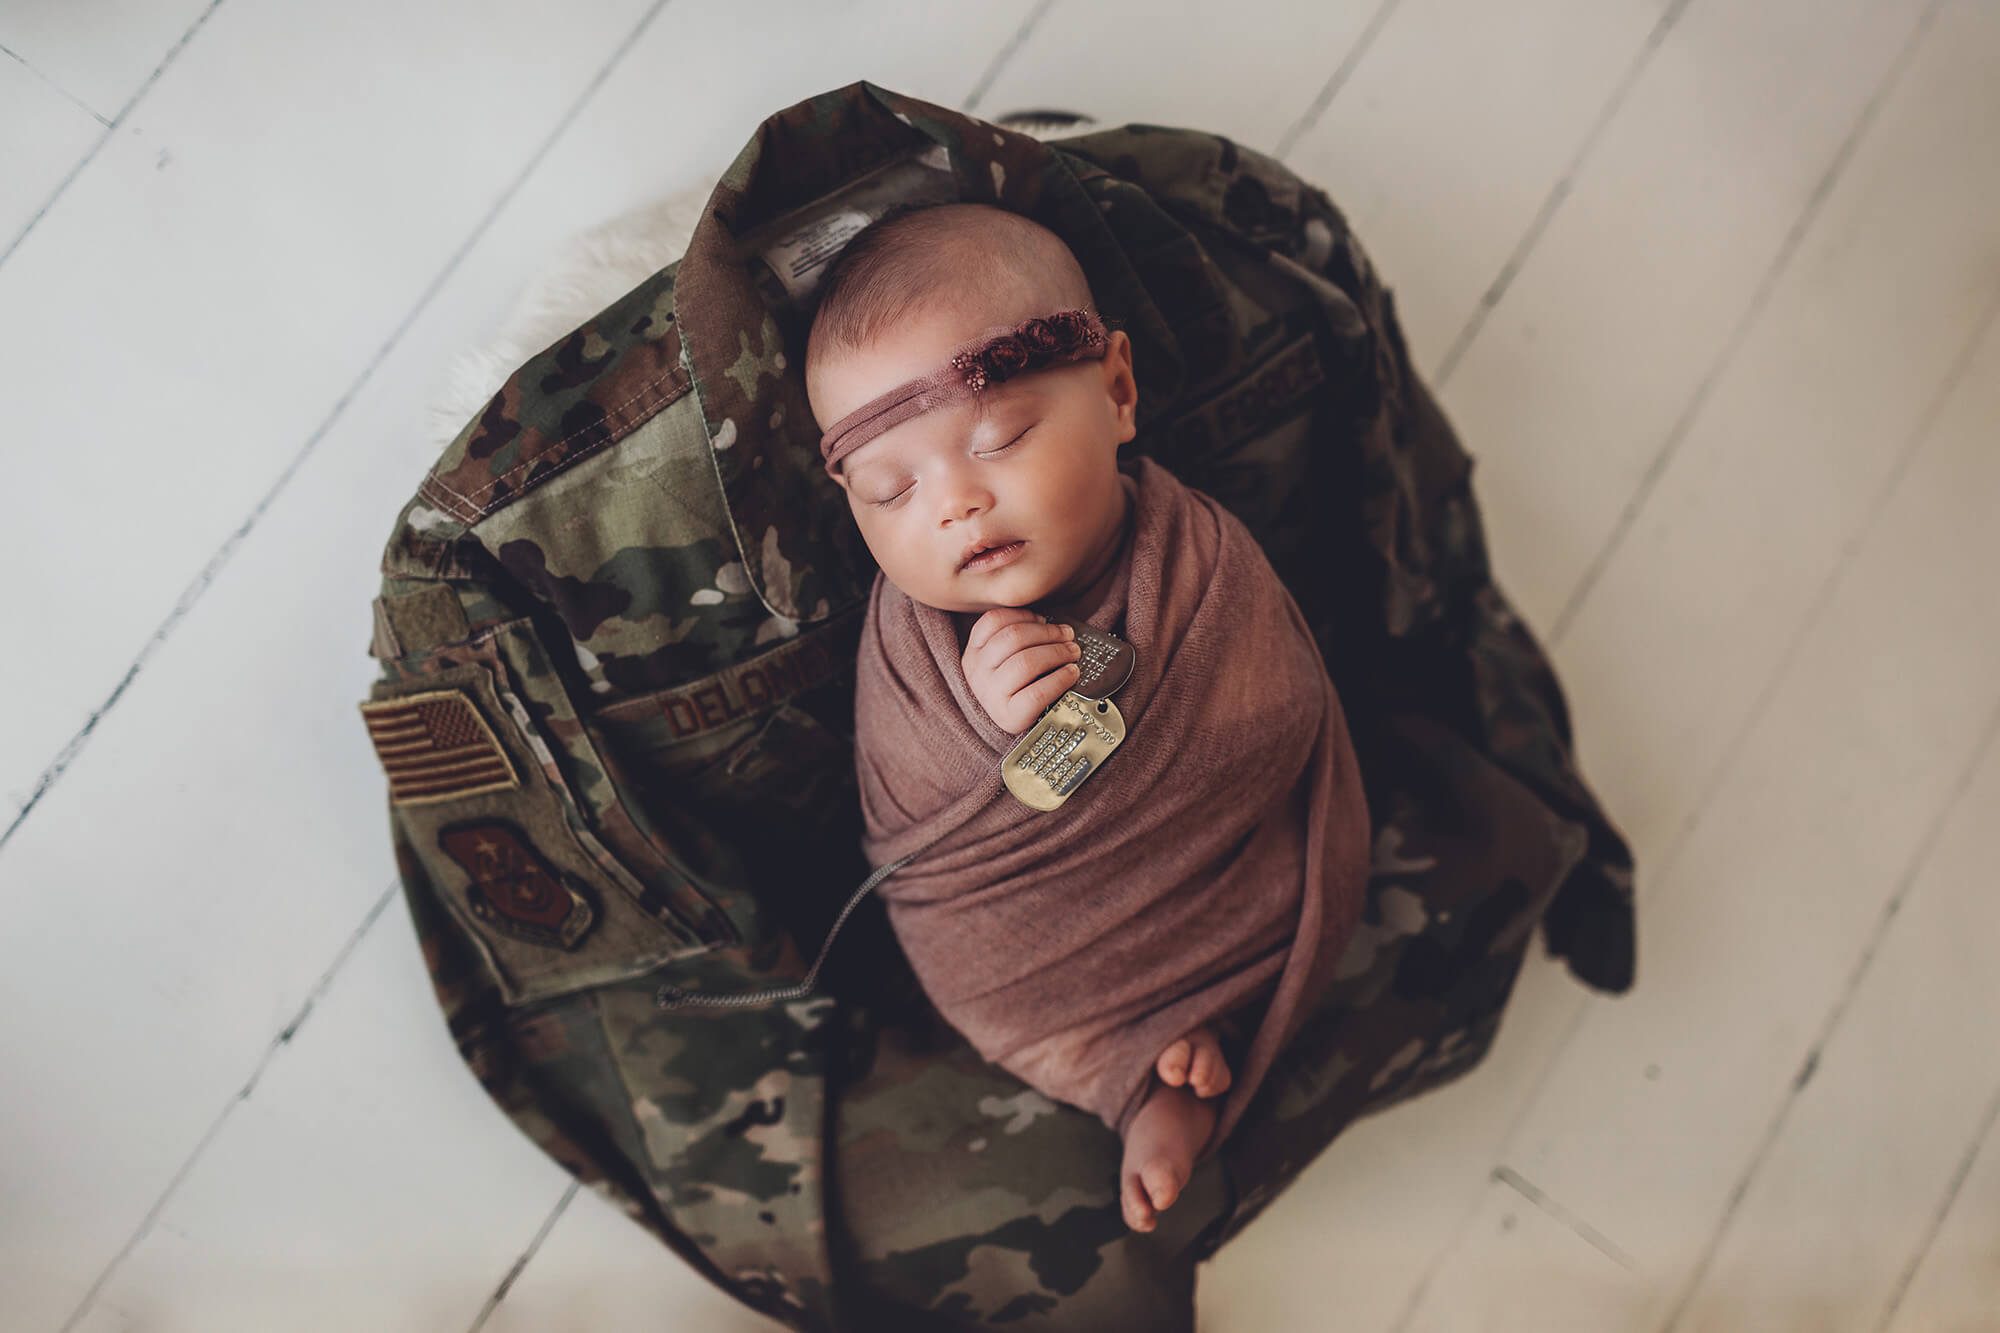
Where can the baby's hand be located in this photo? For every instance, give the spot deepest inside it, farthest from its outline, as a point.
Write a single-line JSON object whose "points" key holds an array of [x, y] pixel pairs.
{"points": [[1018, 664]]}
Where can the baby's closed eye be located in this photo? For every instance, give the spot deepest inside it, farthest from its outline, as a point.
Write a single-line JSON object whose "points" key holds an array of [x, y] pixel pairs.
{"points": [[895, 497]]}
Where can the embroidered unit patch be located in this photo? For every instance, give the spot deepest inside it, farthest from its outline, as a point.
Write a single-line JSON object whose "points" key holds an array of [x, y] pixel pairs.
{"points": [[436, 747], [512, 888]]}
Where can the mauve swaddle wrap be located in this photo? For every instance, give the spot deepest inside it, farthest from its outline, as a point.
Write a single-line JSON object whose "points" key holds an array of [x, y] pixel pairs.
{"points": [[1217, 857]]}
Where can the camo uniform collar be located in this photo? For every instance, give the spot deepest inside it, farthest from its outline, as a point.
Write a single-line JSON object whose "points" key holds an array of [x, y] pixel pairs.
{"points": [[803, 554]]}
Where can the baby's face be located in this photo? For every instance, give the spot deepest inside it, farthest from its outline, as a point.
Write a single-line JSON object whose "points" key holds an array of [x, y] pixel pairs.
{"points": [[1038, 467]]}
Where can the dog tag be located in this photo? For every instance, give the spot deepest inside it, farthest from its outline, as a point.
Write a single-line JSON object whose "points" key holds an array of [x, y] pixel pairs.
{"points": [[1067, 744], [1107, 661]]}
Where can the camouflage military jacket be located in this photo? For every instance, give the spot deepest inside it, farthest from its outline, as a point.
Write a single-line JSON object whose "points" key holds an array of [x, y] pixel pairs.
{"points": [[617, 624]]}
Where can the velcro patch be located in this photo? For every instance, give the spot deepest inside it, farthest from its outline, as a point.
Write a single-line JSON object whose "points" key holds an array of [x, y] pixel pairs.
{"points": [[512, 888], [436, 747], [419, 621]]}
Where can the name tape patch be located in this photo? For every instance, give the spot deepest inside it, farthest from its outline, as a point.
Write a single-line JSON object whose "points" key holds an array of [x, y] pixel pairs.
{"points": [[1266, 397], [436, 747], [745, 688]]}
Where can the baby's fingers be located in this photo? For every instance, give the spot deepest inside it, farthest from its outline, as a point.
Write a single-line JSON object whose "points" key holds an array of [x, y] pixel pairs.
{"points": [[995, 620], [1004, 645], [1036, 660], [1033, 699]]}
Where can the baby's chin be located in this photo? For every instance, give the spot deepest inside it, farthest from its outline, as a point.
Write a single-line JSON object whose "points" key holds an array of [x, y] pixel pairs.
{"points": [[973, 606], [973, 594]]}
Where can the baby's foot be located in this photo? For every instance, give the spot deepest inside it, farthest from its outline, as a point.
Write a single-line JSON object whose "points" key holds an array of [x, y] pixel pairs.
{"points": [[1196, 1060], [1160, 1145]]}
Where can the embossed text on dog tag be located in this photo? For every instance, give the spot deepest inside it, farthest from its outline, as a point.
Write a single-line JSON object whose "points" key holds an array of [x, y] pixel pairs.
{"points": [[1067, 744], [1107, 660]]}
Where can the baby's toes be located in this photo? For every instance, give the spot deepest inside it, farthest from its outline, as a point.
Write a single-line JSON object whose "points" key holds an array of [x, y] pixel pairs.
{"points": [[1210, 1075], [1162, 1183], [1173, 1063], [1139, 1213]]}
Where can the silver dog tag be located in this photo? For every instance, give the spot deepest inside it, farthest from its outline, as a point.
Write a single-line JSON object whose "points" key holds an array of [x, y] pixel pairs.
{"points": [[1066, 745], [1107, 660]]}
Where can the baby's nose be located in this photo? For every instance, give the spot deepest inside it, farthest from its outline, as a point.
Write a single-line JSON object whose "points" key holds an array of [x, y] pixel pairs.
{"points": [[966, 503]]}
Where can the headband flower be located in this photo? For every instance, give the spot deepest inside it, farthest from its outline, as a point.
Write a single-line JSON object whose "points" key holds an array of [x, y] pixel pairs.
{"points": [[1066, 335]]}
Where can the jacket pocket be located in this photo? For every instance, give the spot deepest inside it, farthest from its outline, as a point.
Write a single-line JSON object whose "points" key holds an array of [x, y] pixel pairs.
{"points": [[772, 798], [522, 825], [764, 743], [782, 773]]}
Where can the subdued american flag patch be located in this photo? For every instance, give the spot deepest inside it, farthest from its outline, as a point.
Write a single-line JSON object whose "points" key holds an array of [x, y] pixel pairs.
{"points": [[436, 747]]}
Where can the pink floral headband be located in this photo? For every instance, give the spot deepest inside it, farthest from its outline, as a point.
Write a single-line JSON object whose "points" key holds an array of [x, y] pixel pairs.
{"points": [[1067, 335]]}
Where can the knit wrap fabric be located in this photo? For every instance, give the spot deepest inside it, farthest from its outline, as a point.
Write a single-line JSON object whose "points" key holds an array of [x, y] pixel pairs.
{"points": [[1212, 868]]}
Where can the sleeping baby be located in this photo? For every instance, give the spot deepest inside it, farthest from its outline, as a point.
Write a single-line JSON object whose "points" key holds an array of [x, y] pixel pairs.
{"points": [[1145, 947]]}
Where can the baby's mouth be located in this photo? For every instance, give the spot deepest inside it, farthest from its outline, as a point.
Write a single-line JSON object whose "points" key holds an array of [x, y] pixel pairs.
{"points": [[998, 554]]}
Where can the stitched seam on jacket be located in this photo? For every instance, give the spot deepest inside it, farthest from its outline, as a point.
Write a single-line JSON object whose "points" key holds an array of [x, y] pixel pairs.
{"points": [[471, 500]]}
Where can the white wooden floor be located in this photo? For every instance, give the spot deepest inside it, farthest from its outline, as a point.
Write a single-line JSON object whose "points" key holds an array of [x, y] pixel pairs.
{"points": [[1709, 288]]}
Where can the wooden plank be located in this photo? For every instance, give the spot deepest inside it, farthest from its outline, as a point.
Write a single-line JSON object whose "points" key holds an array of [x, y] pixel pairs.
{"points": [[100, 53], [1843, 1199], [598, 1272], [1371, 1212], [1176, 65], [1658, 1107], [1607, 337], [1747, 937], [1614, 695], [1787, 458], [1955, 1282], [43, 134], [1440, 198], [198, 301], [363, 1185], [1448, 139]]}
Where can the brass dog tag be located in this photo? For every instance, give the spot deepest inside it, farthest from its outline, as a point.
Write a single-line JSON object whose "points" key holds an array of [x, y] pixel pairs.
{"points": [[1066, 745], [1107, 660]]}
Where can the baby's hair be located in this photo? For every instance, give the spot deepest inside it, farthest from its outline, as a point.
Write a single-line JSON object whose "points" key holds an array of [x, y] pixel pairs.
{"points": [[962, 255]]}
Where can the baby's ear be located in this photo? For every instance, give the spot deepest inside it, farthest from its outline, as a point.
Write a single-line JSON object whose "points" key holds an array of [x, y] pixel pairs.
{"points": [[1123, 385]]}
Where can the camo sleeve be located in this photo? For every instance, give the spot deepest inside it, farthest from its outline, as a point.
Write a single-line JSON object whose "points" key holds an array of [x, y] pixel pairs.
{"points": [[1456, 647], [547, 899]]}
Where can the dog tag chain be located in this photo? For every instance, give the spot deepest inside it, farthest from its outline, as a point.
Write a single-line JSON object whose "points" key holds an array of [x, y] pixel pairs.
{"points": [[1069, 742]]}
